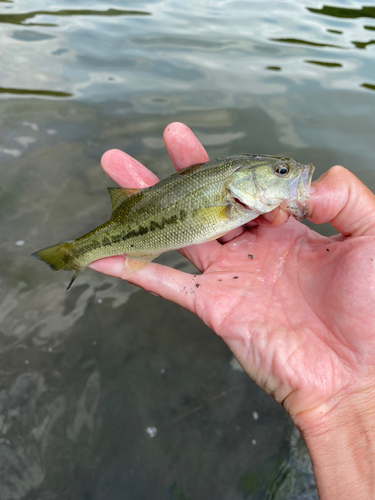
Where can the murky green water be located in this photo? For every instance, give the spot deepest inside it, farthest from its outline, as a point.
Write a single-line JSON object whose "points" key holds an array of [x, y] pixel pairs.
{"points": [[107, 392]]}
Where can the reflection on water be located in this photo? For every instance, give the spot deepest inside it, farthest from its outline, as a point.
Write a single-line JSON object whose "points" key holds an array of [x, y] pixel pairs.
{"points": [[325, 63], [305, 42], [344, 12], [368, 86], [50, 93], [22, 17], [107, 392]]}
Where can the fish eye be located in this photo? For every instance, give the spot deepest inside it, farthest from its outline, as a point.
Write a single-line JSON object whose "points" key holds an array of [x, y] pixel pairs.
{"points": [[282, 169]]}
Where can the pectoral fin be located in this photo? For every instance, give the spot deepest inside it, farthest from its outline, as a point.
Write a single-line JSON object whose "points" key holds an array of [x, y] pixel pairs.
{"points": [[214, 212], [217, 236]]}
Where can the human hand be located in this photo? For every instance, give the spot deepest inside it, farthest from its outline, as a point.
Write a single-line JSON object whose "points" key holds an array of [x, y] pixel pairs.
{"points": [[296, 308]]}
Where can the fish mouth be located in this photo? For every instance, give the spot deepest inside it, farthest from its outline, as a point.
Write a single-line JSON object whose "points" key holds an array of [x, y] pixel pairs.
{"points": [[297, 204]]}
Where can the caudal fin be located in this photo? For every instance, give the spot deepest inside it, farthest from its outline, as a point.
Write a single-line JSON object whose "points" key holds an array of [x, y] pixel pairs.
{"points": [[57, 257], [60, 256]]}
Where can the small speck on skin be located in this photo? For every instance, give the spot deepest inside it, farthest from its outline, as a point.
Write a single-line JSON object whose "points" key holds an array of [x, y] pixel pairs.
{"points": [[371, 259], [219, 280], [255, 415], [151, 431], [235, 277], [197, 285], [327, 249], [250, 256], [20, 243]]}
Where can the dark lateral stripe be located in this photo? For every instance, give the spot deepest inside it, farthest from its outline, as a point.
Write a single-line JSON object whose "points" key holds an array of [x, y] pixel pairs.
{"points": [[108, 240], [154, 225]]}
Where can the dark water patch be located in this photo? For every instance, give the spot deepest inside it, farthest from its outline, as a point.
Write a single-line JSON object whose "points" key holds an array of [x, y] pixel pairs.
{"points": [[324, 63], [178, 42], [368, 86], [274, 68], [335, 32], [363, 45], [298, 41], [30, 36], [344, 12], [21, 18], [98, 62], [59, 52], [48, 93]]}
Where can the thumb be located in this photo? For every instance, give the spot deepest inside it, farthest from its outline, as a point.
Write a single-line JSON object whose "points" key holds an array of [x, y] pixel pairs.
{"points": [[340, 198]]}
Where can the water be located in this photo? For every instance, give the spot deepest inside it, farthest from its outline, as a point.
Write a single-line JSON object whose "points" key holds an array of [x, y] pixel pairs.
{"points": [[105, 391]]}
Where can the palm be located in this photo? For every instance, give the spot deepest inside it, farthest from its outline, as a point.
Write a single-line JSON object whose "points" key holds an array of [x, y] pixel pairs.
{"points": [[295, 307], [287, 315]]}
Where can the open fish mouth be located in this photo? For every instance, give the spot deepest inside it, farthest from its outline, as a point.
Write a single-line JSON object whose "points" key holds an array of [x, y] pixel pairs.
{"points": [[297, 204]]}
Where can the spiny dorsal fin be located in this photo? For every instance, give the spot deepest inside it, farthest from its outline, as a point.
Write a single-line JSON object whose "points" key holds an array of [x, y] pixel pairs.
{"points": [[119, 195]]}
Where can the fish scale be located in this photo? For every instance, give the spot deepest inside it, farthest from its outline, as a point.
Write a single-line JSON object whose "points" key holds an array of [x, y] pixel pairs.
{"points": [[193, 206]]}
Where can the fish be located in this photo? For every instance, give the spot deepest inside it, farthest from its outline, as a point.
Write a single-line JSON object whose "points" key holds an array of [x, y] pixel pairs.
{"points": [[193, 206]]}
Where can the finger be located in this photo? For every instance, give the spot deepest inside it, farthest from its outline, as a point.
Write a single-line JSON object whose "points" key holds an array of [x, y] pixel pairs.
{"points": [[275, 218], [166, 282], [231, 235], [203, 255], [340, 198], [183, 147], [127, 171]]}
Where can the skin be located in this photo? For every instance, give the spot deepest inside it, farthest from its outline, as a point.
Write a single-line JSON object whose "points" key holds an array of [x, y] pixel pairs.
{"points": [[300, 317]]}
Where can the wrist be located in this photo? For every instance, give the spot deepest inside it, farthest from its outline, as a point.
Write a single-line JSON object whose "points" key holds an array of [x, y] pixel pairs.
{"points": [[342, 448]]}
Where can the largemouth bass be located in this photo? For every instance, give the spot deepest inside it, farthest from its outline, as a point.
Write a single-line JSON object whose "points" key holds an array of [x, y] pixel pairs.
{"points": [[195, 205]]}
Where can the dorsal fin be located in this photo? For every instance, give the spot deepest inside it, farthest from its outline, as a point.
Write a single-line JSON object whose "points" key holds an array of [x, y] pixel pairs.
{"points": [[119, 195]]}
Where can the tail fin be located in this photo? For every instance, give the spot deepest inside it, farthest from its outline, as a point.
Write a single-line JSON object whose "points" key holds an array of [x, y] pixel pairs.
{"points": [[58, 257]]}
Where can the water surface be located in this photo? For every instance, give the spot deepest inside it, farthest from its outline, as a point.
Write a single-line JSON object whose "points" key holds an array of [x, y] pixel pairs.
{"points": [[107, 392]]}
